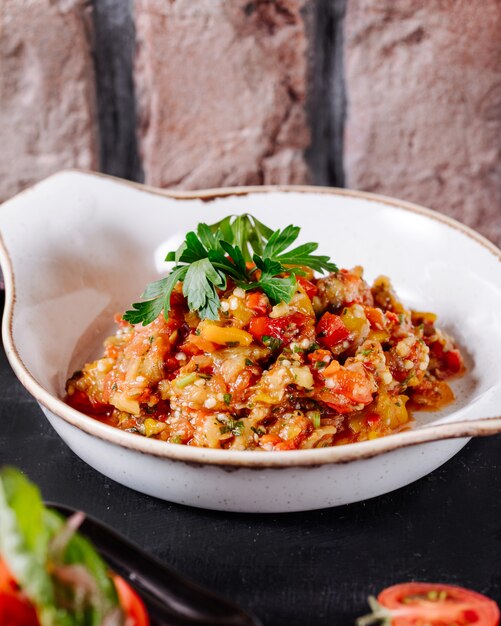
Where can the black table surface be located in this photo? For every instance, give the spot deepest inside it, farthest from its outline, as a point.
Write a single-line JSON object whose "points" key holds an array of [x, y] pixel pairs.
{"points": [[296, 569]]}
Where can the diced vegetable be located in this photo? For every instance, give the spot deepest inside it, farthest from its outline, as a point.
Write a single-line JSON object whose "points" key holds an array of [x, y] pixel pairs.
{"points": [[331, 330], [225, 336]]}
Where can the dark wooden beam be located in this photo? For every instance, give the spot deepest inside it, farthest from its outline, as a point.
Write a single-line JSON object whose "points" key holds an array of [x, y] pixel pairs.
{"points": [[114, 45], [327, 99]]}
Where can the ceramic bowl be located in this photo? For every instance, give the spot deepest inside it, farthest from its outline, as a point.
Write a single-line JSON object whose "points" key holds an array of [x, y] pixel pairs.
{"points": [[79, 247]]}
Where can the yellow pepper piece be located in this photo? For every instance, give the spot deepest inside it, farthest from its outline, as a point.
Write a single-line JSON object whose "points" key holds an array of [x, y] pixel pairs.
{"points": [[379, 335], [392, 409], [153, 427], [224, 335], [354, 318], [423, 316]]}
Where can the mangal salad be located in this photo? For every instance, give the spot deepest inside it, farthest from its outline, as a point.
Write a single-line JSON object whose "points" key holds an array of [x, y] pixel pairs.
{"points": [[243, 346]]}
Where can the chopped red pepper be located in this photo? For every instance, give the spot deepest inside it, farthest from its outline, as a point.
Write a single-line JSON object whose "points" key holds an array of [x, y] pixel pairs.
{"points": [[331, 330], [283, 328], [310, 288]]}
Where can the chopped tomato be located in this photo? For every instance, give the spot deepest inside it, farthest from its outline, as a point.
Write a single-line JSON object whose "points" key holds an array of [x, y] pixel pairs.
{"points": [[375, 317], [310, 288], [261, 326], [258, 302], [331, 330], [413, 604], [283, 328], [372, 419], [349, 388], [131, 603], [454, 361], [451, 360], [86, 404], [320, 355]]}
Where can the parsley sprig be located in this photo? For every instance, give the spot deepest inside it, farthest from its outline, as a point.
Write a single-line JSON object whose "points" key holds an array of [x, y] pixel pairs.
{"points": [[240, 248]]}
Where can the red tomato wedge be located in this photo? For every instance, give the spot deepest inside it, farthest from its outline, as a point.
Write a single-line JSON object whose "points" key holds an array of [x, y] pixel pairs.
{"points": [[131, 602], [431, 604], [15, 610]]}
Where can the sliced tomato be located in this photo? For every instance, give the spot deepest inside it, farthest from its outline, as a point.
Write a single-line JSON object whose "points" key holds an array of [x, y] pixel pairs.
{"points": [[131, 603], [415, 604], [331, 330]]}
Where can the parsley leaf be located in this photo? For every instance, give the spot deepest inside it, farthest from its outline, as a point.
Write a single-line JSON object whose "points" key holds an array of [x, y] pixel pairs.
{"points": [[159, 292], [240, 248], [199, 287], [278, 289]]}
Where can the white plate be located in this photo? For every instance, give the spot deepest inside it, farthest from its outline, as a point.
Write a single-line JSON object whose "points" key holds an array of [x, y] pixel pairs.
{"points": [[79, 247]]}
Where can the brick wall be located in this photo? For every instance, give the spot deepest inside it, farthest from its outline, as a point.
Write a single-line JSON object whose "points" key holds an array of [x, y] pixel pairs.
{"points": [[221, 89], [47, 92], [393, 96], [424, 115]]}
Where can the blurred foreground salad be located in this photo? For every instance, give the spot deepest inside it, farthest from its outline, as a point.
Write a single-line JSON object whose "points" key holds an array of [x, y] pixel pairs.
{"points": [[50, 575]]}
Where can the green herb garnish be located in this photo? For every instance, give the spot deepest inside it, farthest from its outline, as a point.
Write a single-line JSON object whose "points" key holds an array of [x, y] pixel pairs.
{"points": [[273, 343], [212, 254], [315, 418], [184, 381], [236, 428], [259, 431], [379, 615]]}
